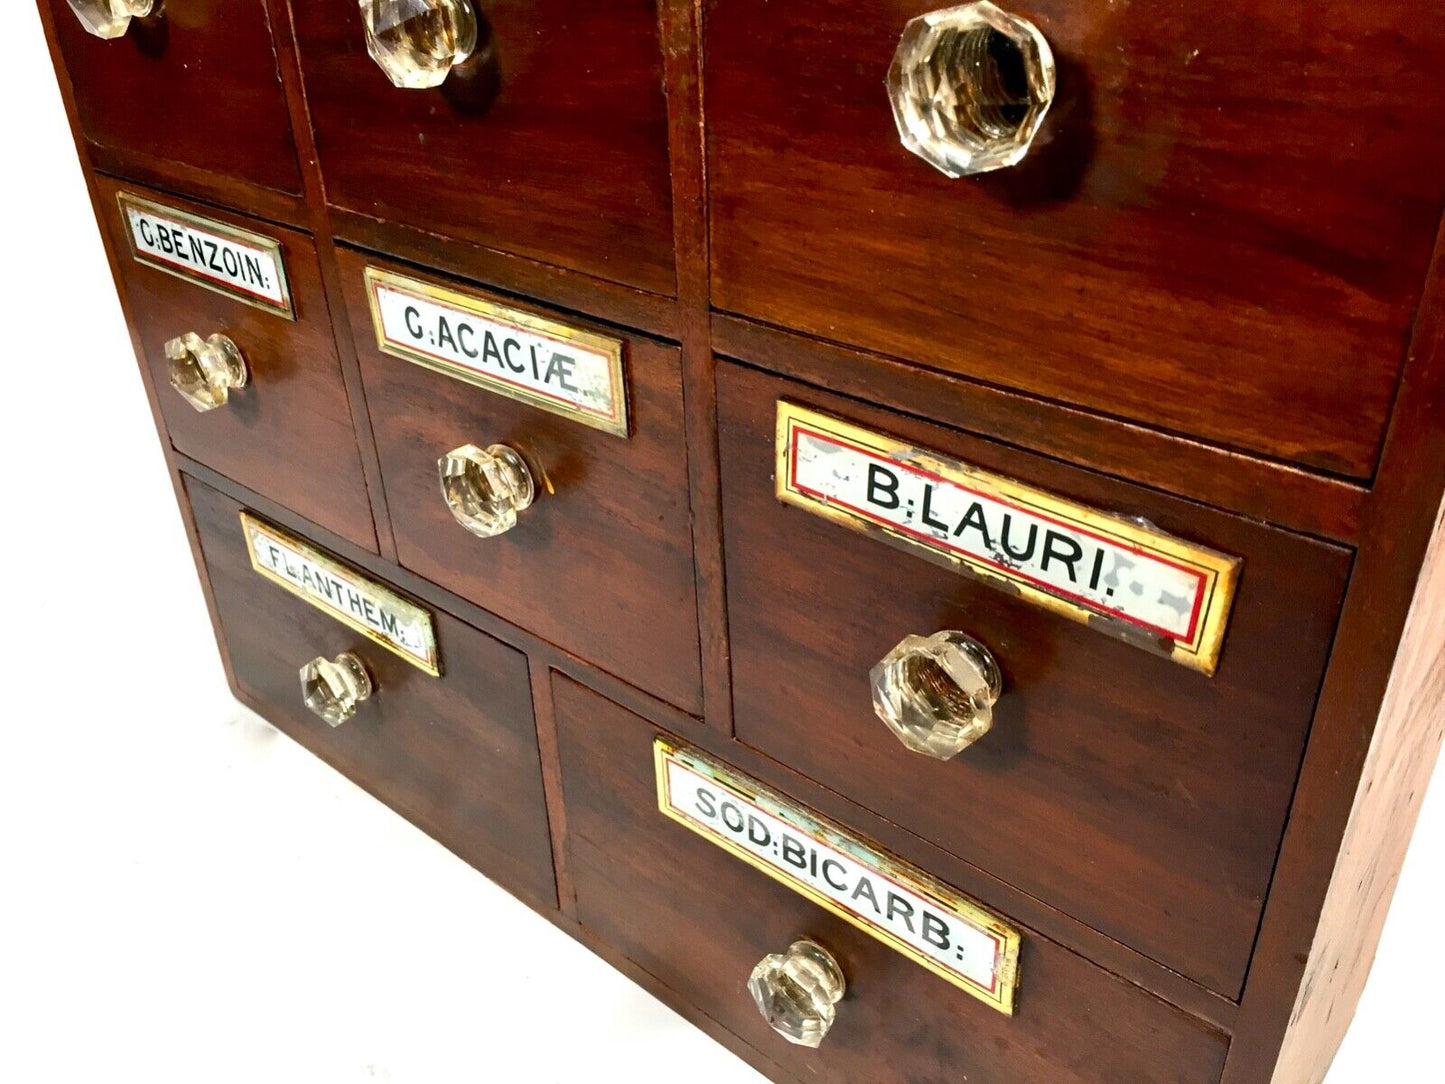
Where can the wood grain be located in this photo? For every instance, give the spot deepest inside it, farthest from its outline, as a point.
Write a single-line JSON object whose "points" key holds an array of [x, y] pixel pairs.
{"points": [[456, 755], [699, 920], [1223, 232], [564, 160], [1144, 799]]}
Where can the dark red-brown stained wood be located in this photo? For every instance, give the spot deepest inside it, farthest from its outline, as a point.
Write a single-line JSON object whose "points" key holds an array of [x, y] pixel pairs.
{"points": [[551, 142], [1221, 231], [601, 564], [1141, 797], [698, 920], [190, 94], [288, 432], [456, 755]]}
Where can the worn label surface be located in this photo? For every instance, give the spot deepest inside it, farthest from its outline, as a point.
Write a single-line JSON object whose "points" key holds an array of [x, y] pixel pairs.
{"points": [[886, 898], [566, 370], [370, 608], [1122, 576], [217, 256]]}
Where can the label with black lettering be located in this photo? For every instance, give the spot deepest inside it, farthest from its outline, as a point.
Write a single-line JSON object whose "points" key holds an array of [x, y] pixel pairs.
{"points": [[375, 611], [894, 902], [1121, 576], [522, 355], [219, 257]]}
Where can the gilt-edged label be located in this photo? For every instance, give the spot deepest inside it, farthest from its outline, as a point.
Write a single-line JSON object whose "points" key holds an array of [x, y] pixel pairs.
{"points": [[1121, 576], [372, 609], [569, 371], [220, 257], [899, 905]]}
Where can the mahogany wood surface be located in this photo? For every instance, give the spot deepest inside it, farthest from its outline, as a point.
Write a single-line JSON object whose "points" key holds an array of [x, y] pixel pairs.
{"points": [[289, 430], [1141, 797], [699, 920], [457, 755], [193, 88], [551, 142], [601, 564], [1222, 230]]}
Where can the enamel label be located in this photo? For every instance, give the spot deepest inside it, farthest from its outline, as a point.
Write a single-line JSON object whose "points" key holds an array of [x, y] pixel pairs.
{"points": [[1121, 576], [376, 612], [566, 370], [217, 256], [899, 905]]}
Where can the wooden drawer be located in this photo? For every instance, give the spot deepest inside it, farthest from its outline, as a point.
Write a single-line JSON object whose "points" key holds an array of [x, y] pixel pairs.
{"points": [[1136, 794], [601, 564], [456, 755], [288, 432], [698, 920], [1218, 232], [550, 143], [155, 95]]}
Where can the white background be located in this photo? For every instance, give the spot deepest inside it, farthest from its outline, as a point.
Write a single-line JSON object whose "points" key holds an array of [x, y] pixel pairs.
{"points": [[185, 895]]}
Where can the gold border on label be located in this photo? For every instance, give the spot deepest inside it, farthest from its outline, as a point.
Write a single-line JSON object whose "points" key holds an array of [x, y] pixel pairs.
{"points": [[431, 665], [616, 423], [1219, 572], [269, 245], [831, 834]]}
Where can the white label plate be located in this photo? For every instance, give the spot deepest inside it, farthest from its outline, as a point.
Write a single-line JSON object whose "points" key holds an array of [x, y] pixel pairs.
{"points": [[376, 612], [219, 257], [521, 355], [1122, 576], [899, 905]]}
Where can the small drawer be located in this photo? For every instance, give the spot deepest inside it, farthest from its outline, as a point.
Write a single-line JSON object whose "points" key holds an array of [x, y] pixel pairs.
{"points": [[1217, 230], [600, 563], [1127, 789], [454, 754], [154, 93], [699, 920], [286, 431], [549, 141]]}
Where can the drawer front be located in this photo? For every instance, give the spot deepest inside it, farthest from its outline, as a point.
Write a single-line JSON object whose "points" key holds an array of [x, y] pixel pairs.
{"points": [[287, 432], [699, 920], [456, 754], [1215, 232], [550, 142], [601, 563], [157, 90], [1134, 793]]}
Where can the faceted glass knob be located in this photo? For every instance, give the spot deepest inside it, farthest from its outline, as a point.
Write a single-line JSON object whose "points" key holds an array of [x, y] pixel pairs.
{"points": [[205, 371], [937, 693], [109, 19], [333, 688], [418, 42], [797, 993], [970, 86], [486, 488]]}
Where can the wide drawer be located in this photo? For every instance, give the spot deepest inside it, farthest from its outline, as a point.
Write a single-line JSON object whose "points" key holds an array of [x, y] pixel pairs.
{"points": [[601, 562], [287, 431], [196, 85], [549, 142], [698, 920], [1132, 792], [1219, 230], [455, 754]]}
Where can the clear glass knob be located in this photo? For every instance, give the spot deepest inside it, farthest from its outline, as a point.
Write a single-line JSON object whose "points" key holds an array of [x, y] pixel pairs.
{"points": [[332, 688], [937, 693], [418, 42], [110, 19], [970, 86], [205, 371], [797, 993], [486, 488]]}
